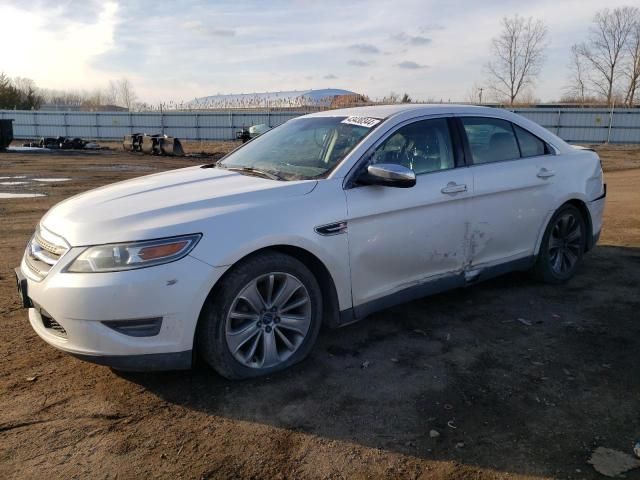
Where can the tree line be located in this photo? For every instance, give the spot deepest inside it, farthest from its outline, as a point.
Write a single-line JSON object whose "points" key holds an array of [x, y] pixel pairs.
{"points": [[23, 94], [604, 68], [20, 93]]}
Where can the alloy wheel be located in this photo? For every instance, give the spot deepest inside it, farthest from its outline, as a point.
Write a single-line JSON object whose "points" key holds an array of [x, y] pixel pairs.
{"points": [[268, 320], [565, 244]]}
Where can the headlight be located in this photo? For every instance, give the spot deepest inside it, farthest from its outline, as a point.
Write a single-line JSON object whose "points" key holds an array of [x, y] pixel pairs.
{"points": [[128, 256]]}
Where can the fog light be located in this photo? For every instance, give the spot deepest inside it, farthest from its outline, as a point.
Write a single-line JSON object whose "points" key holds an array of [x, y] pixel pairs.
{"points": [[140, 327]]}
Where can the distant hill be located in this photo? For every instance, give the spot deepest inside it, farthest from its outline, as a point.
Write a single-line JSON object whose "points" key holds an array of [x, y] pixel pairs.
{"points": [[296, 98]]}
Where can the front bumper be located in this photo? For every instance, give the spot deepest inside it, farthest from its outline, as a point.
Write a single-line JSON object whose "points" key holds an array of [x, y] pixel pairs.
{"points": [[72, 311], [143, 363]]}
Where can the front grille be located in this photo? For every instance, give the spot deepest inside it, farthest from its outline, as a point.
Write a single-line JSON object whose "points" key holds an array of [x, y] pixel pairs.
{"points": [[50, 324], [43, 252]]}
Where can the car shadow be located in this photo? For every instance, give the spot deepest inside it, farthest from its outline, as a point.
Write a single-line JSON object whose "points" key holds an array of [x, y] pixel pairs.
{"points": [[513, 375]]}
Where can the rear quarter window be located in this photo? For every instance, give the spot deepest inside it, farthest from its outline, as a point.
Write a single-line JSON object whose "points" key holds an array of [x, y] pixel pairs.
{"points": [[530, 145]]}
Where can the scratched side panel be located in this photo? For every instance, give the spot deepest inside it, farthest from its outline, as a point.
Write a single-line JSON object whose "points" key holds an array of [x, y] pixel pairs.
{"points": [[509, 206], [400, 238]]}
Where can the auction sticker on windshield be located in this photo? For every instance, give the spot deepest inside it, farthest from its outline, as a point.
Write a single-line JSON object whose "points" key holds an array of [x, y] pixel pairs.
{"points": [[362, 121]]}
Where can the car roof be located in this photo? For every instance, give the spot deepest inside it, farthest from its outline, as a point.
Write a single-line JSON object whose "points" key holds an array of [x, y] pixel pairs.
{"points": [[386, 111], [406, 111]]}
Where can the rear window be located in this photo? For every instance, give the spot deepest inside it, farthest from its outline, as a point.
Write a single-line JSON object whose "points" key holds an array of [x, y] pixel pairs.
{"points": [[496, 140]]}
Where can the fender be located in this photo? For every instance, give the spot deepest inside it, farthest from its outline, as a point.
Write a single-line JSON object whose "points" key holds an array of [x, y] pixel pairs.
{"points": [[573, 198], [337, 267]]}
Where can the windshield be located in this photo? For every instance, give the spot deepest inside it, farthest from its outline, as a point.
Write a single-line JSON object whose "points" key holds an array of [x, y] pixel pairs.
{"points": [[303, 148]]}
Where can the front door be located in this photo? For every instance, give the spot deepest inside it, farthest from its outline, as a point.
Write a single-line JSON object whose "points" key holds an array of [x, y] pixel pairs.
{"points": [[401, 238]]}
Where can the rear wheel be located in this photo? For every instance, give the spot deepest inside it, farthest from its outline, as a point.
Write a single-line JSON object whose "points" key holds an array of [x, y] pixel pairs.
{"points": [[265, 317], [562, 247]]}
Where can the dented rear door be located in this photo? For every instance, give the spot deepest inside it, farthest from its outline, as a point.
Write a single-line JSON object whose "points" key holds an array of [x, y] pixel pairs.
{"points": [[512, 197]]}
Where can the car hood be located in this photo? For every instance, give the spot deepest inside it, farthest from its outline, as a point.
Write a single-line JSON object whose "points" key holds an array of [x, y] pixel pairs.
{"points": [[163, 204]]}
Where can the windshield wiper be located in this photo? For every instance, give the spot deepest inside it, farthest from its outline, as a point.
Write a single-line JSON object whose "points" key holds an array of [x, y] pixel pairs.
{"points": [[253, 171]]}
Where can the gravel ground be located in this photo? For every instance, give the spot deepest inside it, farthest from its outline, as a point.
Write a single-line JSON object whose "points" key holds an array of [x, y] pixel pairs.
{"points": [[505, 379]]}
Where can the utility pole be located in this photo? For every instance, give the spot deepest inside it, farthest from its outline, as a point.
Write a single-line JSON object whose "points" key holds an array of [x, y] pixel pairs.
{"points": [[480, 94]]}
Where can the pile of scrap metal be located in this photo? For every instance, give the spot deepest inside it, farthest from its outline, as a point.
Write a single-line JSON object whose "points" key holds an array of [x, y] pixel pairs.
{"points": [[152, 144], [63, 143], [247, 134]]}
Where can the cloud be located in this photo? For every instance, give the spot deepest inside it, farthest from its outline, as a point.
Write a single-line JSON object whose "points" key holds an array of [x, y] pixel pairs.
{"points": [[431, 27], [416, 40], [79, 40], [241, 46], [222, 32], [359, 63], [409, 65], [60, 13], [198, 26], [365, 48], [330, 76]]}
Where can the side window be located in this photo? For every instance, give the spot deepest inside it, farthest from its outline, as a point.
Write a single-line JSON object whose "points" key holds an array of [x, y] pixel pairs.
{"points": [[530, 145], [490, 139], [423, 146]]}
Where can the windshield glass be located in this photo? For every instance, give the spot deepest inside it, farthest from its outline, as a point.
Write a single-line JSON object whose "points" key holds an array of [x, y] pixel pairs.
{"points": [[303, 148]]}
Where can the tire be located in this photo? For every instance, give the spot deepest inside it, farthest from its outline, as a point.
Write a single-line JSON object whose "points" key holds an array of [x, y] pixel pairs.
{"points": [[264, 294], [562, 247]]}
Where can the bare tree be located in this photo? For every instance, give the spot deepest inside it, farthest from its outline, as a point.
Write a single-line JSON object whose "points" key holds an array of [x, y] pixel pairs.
{"points": [[604, 50], [393, 97], [475, 93], [632, 66], [64, 98], [111, 93], [126, 94], [578, 77], [23, 84], [518, 54]]}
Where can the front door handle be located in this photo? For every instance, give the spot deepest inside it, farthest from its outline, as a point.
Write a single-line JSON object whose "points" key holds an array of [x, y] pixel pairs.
{"points": [[453, 187], [544, 173]]}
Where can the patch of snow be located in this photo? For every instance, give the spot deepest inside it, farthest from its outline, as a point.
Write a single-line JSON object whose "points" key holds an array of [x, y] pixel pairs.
{"points": [[26, 149], [21, 195]]}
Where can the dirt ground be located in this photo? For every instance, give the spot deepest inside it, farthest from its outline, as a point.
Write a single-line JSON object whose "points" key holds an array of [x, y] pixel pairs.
{"points": [[518, 379]]}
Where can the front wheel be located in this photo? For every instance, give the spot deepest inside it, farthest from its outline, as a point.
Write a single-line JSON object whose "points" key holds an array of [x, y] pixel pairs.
{"points": [[265, 317], [562, 247]]}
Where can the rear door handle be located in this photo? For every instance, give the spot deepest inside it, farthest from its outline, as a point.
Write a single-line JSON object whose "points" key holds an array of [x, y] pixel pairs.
{"points": [[544, 173], [453, 187]]}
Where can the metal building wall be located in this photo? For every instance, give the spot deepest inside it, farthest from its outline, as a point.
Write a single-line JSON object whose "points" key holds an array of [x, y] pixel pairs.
{"points": [[575, 125]]}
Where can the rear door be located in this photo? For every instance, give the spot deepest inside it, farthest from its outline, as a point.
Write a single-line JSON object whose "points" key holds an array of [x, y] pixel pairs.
{"points": [[400, 238], [514, 182]]}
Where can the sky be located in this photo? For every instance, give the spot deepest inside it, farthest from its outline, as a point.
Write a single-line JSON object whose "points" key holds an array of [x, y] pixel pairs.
{"points": [[183, 49]]}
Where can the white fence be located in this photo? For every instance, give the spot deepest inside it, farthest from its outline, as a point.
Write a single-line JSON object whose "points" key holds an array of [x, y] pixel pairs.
{"points": [[576, 125]]}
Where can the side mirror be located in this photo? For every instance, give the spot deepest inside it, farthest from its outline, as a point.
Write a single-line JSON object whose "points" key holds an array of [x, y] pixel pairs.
{"points": [[388, 175]]}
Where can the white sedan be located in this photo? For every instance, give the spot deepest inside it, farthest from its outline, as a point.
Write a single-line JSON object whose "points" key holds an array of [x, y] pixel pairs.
{"points": [[323, 220]]}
